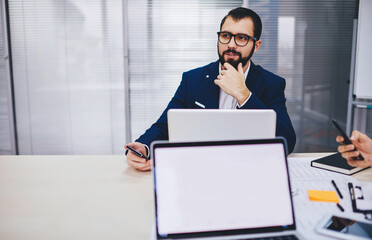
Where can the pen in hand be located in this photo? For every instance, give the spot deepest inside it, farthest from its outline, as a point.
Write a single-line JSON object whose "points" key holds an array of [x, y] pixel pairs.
{"points": [[138, 153]]}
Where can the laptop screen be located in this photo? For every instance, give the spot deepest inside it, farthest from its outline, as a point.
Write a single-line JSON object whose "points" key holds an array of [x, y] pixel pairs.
{"points": [[221, 186], [195, 124]]}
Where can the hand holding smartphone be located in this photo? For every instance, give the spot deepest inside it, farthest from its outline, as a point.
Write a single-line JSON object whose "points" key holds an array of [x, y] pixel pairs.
{"points": [[346, 138]]}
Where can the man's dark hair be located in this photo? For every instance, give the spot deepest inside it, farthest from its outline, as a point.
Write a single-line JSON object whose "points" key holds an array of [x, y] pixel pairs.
{"points": [[239, 13]]}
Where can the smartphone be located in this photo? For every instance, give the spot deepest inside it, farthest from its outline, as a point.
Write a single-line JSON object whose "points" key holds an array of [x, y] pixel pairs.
{"points": [[344, 227], [346, 138]]}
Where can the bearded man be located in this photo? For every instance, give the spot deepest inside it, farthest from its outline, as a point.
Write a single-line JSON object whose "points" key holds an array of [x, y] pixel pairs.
{"points": [[232, 82]]}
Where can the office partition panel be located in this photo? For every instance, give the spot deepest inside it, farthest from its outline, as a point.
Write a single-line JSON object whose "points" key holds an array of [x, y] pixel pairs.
{"points": [[7, 131], [68, 76]]}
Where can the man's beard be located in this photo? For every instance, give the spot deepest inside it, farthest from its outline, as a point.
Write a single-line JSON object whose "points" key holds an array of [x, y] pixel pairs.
{"points": [[233, 62]]}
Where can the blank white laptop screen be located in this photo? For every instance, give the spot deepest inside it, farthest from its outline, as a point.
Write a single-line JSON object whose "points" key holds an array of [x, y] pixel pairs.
{"points": [[208, 188]]}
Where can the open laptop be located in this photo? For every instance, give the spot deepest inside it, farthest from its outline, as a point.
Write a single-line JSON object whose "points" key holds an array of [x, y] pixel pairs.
{"points": [[220, 124], [224, 190]]}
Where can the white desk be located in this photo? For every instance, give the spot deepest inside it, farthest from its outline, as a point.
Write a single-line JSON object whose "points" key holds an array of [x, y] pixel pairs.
{"points": [[100, 197], [304, 177]]}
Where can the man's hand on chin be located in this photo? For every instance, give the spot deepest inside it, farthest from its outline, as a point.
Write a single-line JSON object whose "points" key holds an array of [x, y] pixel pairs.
{"points": [[232, 82]]}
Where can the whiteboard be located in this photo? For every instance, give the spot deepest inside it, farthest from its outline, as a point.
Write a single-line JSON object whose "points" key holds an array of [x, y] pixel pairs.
{"points": [[363, 63]]}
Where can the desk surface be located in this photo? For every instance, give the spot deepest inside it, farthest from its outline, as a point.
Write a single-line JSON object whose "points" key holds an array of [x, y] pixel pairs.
{"points": [[100, 197]]}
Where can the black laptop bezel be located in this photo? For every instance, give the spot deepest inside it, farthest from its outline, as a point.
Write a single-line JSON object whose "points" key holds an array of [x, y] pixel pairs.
{"points": [[226, 232]]}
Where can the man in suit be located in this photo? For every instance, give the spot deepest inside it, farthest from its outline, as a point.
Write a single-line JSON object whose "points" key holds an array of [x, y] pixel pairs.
{"points": [[229, 83]]}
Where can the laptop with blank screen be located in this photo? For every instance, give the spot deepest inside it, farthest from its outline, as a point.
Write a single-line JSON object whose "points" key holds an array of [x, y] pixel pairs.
{"points": [[223, 189], [220, 124]]}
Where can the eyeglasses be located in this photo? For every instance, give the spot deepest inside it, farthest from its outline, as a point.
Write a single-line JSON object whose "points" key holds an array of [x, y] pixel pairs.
{"points": [[240, 39]]}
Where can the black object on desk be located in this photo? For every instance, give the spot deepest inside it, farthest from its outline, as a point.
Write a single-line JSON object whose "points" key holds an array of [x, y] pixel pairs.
{"points": [[367, 213], [340, 207], [335, 163], [338, 190]]}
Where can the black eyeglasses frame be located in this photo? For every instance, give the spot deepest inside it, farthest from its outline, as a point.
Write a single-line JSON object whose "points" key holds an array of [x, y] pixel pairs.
{"points": [[234, 35]]}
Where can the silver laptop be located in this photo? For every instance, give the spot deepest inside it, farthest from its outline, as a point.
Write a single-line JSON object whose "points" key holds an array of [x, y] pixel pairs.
{"points": [[220, 124], [224, 190]]}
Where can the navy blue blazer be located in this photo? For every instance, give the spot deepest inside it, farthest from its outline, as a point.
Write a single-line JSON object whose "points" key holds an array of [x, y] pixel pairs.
{"points": [[198, 85]]}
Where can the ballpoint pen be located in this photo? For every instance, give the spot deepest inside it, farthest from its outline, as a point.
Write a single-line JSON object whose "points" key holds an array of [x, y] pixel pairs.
{"points": [[339, 194], [338, 190], [340, 207], [138, 153]]}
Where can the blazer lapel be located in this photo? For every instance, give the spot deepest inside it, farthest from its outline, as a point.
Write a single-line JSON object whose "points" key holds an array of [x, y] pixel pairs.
{"points": [[253, 78], [212, 91]]}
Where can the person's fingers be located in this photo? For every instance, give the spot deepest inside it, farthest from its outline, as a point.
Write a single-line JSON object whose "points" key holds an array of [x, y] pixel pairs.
{"points": [[351, 162], [133, 157], [355, 135], [139, 165], [356, 163], [136, 145], [348, 155], [135, 161], [341, 149], [368, 161], [351, 159], [240, 68], [227, 65], [345, 148], [359, 138], [147, 166], [339, 139], [134, 164], [143, 167]]}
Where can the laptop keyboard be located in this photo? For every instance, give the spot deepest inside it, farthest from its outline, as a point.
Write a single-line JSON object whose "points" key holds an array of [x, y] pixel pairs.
{"points": [[285, 237]]}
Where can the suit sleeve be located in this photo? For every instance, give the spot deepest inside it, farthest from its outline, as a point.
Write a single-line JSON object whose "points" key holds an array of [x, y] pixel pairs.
{"points": [[272, 97], [159, 130]]}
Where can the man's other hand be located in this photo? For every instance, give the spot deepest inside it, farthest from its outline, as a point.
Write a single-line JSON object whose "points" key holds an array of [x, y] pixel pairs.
{"points": [[137, 162]]}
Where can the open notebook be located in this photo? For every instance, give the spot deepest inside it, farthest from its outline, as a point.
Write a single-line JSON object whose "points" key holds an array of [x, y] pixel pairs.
{"points": [[224, 189]]}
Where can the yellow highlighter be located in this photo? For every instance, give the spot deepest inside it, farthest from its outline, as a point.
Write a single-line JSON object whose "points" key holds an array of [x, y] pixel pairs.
{"points": [[323, 196]]}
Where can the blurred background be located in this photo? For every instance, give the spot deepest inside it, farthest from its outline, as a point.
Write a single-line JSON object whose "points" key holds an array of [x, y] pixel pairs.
{"points": [[88, 76]]}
